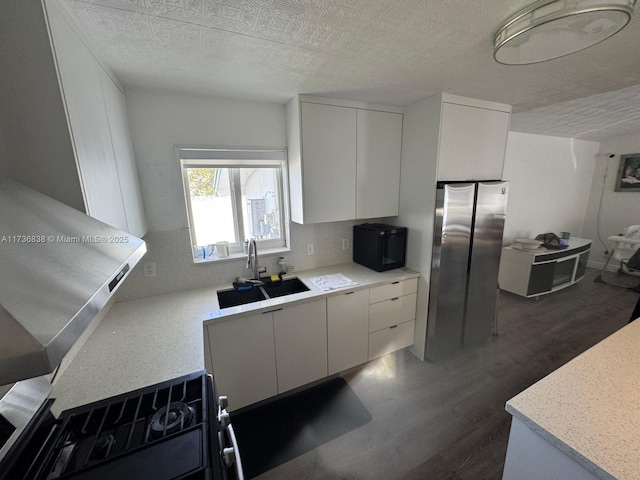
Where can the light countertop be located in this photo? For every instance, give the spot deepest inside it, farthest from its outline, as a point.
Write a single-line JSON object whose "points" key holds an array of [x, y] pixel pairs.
{"points": [[590, 407], [153, 339]]}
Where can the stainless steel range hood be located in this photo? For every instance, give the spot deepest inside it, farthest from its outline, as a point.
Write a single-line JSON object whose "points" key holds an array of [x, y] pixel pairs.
{"points": [[58, 269]]}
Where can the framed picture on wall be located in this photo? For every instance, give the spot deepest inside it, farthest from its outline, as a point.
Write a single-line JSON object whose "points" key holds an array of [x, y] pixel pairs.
{"points": [[629, 173]]}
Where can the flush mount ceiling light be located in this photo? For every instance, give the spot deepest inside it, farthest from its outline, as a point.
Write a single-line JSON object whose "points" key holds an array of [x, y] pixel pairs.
{"points": [[549, 29]]}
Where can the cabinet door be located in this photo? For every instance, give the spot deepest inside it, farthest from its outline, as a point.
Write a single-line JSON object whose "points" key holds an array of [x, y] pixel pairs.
{"points": [[243, 359], [301, 344], [541, 278], [123, 151], [347, 330], [472, 143], [379, 146], [328, 162], [81, 84]]}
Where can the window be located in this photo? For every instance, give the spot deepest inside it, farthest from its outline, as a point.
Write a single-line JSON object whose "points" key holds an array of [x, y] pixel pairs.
{"points": [[235, 195]]}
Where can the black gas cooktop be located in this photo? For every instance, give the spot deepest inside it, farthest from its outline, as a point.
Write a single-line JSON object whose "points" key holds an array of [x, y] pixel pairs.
{"points": [[158, 432]]}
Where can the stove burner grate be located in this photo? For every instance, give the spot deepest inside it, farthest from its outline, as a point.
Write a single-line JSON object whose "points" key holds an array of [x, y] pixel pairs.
{"points": [[170, 419], [116, 428]]}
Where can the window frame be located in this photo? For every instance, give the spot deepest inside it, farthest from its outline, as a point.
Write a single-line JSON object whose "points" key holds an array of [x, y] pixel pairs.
{"points": [[234, 159]]}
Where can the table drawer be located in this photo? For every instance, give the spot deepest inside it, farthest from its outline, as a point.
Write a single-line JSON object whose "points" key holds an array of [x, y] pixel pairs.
{"points": [[392, 290], [391, 312], [391, 339]]}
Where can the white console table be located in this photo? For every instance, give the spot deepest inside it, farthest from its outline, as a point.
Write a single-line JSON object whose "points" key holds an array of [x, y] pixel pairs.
{"points": [[531, 273]]}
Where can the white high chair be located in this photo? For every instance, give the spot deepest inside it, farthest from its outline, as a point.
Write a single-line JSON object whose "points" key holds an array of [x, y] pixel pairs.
{"points": [[624, 246]]}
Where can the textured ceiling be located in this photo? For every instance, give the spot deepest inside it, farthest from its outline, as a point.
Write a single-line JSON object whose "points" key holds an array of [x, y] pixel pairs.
{"points": [[385, 51]]}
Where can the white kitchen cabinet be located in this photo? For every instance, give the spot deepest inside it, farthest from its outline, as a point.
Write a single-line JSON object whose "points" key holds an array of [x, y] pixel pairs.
{"points": [[242, 358], [430, 153], [347, 330], [392, 313], [473, 139], [258, 356], [344, 159], [124, 157], [96, 114], [301, 344], [67, 124], [329, 155], [379, 143], [82, 86]]}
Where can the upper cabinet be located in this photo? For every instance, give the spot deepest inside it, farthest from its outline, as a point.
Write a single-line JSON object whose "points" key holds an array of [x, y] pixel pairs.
{"points": [[344, 160], [473, 138], [379, 145], [68, 136], [99, 129], [328, 169]]}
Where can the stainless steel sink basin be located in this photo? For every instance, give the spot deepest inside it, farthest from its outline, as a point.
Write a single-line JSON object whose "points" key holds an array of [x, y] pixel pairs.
{"points": [[232, 298]]}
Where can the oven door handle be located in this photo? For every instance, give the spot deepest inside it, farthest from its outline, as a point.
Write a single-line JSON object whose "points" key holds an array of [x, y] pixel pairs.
{"points": [[236, 453]]}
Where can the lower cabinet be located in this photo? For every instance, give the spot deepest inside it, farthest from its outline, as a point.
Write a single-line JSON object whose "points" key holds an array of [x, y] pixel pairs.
{"points": [[300, 344], [243, 358], [257, 356], [347, 330], [392, 313]]}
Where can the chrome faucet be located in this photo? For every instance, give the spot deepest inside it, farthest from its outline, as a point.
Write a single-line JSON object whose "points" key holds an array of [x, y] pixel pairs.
{"points": [[252, 259]]}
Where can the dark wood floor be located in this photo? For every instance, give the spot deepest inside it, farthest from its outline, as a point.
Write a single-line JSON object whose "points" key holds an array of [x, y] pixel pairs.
{"points": [[446, 420]]}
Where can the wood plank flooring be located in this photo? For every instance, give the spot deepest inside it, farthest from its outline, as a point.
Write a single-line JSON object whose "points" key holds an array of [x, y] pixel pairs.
{"points": [[446, 420]]}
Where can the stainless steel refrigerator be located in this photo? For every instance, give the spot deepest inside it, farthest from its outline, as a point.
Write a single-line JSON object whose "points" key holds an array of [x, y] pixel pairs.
{"points": [[468, 226]]}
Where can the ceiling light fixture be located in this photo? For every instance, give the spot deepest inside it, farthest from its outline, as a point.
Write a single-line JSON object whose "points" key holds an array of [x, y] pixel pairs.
{"points": [[549, 29]]}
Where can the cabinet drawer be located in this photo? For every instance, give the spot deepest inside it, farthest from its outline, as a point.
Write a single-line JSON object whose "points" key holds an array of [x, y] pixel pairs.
{"points": [[392, 290], [391, 312], [390, 339]]}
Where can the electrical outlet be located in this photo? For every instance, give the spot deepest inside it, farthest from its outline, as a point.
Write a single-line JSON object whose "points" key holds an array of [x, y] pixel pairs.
{"points": [[309, 248], [150, 269], [345, 244]]}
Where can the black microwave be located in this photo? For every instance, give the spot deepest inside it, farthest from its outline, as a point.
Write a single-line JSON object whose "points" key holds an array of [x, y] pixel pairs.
{"points": [[379, 247]]}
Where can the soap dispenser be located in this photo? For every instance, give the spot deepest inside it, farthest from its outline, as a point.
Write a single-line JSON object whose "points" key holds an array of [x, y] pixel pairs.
{"points": [[282, 266]]}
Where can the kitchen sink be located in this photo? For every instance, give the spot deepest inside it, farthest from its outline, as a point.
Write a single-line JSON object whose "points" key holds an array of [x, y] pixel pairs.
{"points": [[233, 297], [268, 289], [284, 287]]}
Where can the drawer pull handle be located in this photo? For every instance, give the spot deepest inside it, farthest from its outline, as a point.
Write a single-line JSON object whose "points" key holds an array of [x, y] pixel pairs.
{"points": [[393, 326], [350, 293], [271, 311], [395, 283], [394, 299]]}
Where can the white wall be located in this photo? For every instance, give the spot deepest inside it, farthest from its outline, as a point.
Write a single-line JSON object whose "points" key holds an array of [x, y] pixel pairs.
{"points": [[159, 121], [619, 209], [550, 183]]}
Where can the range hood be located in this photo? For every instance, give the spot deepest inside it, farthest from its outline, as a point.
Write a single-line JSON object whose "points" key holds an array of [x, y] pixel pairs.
{"points": [[58, 269]]}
